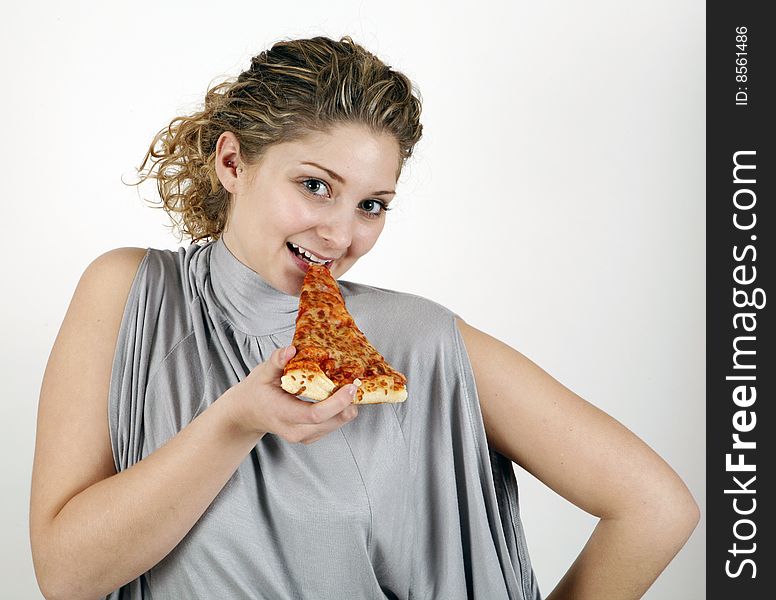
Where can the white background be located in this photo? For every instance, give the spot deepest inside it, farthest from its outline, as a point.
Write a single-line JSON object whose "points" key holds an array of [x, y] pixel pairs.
{"points": [[556, 200]]}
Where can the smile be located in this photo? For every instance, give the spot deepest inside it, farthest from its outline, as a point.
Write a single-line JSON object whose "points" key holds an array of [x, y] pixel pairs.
{"points": [[308, 256]]}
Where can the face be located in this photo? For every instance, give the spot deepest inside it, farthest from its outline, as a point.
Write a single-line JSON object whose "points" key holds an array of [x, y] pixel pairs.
{"points": [[323, 195]]}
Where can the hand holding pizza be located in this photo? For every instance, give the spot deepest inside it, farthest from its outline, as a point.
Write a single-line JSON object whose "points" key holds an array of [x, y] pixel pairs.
{"points": [[259, 405]]}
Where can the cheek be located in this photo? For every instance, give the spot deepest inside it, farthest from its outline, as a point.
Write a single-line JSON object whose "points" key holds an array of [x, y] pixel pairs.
{"points": [[368, 237], [290, 217]]}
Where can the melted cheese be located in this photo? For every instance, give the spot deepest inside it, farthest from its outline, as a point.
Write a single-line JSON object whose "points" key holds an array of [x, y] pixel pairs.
{"points": [[327, 336]]}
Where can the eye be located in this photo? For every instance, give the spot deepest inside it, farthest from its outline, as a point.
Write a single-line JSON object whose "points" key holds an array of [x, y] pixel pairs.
{"points": [[315, 185], [373, 208], [370, 207]]}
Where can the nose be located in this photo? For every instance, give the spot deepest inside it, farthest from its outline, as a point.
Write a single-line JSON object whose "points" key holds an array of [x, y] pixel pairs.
{"points": [[336, 229]]}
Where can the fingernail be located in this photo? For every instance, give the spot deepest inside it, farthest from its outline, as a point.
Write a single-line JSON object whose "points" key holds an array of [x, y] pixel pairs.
{"points": [[351, 389]]}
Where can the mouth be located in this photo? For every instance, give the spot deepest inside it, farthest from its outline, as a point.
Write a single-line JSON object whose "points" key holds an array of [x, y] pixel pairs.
{"points": [[308, 257]]}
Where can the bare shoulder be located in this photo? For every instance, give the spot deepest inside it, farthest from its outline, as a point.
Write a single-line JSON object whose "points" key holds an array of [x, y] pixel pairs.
{"points": [[100, 296], [72, 449], [116, 267], [95, 311]]}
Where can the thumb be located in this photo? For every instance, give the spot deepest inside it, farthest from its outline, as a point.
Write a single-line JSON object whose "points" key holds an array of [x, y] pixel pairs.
{"points": [[272, 368]]}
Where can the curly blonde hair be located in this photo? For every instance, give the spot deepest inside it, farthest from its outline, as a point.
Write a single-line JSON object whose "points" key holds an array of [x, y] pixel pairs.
{"points": [[294, 88]]}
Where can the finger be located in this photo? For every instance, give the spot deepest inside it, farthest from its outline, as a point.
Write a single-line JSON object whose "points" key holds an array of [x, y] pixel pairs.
{"points": [[320, 412], [272, 368], [307, 433], [335, 404], [283, 355]]}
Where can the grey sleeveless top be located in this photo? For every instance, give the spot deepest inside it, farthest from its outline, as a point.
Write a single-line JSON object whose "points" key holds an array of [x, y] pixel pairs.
{"points": [[406, 501]]}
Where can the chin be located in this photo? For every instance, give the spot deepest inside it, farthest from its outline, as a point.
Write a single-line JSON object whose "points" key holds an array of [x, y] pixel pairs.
{"points": [[340, 269], [293, 288]]}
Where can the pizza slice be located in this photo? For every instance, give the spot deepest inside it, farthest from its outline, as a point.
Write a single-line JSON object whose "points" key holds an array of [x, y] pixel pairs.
{"points": [[332, 352]]}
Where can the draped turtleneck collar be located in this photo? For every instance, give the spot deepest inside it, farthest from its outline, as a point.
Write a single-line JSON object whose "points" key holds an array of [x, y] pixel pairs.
{"points": [[250, 303]]}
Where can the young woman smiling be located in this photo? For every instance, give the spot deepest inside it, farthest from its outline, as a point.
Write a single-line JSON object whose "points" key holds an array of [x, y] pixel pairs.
{"points": [[170, 464]]}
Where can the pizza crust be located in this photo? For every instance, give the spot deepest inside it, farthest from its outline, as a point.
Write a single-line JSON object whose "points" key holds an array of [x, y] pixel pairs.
{"points": [[310, 383], [380, 395], [315, 385]]}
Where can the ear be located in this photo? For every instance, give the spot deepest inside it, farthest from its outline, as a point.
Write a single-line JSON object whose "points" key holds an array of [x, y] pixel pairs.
{"points": [[228, 163]]}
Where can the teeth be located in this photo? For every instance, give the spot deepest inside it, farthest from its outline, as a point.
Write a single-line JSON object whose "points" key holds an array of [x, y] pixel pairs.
{"points": [[307, 254]]}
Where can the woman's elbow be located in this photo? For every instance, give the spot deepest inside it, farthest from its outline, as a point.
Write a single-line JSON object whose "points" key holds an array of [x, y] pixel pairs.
{"points": [[674, 509], [688, 513], [50, 585], [51, 572], [57, 588]]}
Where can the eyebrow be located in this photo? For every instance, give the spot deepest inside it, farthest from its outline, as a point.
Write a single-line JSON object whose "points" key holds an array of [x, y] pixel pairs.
{"points": [[336, 177]]}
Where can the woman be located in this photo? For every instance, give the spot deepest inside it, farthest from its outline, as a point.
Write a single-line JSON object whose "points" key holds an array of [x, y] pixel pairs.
{"points": [[207, 480]]}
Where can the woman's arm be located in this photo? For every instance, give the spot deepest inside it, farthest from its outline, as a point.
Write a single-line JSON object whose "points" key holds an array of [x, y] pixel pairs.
{"points": [[93, 530], [589, 458]]}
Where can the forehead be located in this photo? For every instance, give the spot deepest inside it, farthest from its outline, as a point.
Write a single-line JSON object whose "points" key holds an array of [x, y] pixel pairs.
{"points": [[352, 151]]}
